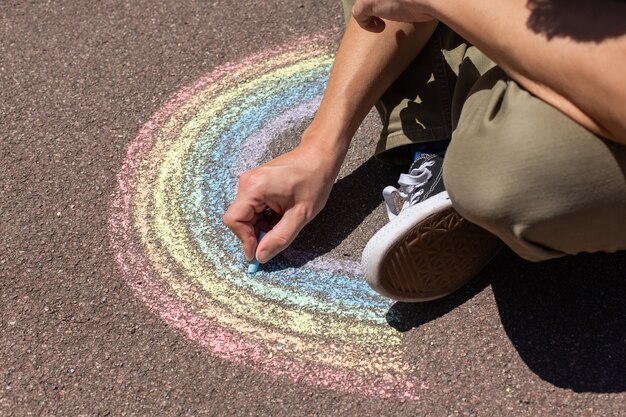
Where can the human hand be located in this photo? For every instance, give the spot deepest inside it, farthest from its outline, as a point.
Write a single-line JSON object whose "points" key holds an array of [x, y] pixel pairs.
{"points": [[369, 13], [295, 185]]}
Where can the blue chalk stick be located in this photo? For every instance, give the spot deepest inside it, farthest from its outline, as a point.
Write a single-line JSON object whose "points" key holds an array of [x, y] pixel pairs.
{"points": [[254, 265]]}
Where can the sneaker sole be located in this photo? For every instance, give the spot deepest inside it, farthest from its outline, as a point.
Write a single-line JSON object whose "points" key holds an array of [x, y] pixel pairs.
{"points": [[427, 252]]}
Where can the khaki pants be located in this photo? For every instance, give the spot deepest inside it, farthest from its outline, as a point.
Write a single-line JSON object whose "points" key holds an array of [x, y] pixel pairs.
{"points": [[515, 166]]}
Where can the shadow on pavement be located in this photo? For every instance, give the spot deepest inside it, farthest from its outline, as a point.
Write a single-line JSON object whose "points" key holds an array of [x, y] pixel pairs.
{"points": [[565, 317], [406, 316]]}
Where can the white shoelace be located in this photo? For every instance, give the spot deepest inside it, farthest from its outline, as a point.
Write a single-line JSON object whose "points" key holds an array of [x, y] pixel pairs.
{"points": [[410, 188]]}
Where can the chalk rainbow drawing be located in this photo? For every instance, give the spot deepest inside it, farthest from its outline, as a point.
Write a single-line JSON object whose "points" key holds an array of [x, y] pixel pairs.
{"points": [[318, 323]]}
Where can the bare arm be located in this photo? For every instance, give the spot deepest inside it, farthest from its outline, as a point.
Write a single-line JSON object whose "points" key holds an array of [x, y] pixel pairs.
{"points": [[579, 68], [296, 185], [365, 66]]}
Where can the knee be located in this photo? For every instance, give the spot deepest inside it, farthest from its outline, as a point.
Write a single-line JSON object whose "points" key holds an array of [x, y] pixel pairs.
{"points": [[478, 192], [489, 196], [514, 168], [498, 154], [491, 177], [482, 178]]}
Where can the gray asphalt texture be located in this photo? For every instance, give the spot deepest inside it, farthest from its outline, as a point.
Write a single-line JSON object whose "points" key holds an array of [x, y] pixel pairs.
{"points": [[78, 79]]}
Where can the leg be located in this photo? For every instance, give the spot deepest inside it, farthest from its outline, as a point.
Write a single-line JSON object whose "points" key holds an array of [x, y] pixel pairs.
{"points": [[428, 251], [542, 183]]}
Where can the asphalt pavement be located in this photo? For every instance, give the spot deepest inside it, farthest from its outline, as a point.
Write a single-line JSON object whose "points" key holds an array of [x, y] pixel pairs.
{"points": [[123, 125]]}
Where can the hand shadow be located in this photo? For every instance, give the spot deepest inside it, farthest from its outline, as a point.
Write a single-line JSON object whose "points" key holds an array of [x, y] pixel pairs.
{"points": [[352, 199]]}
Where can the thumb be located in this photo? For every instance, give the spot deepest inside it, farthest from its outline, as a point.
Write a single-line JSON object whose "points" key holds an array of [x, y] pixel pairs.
{"points": [[365, 19], [281, 235]]}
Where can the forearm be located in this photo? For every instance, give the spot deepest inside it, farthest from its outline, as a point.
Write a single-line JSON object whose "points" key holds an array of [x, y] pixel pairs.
{"points": [[296, 185], [585, 79], [365, 66]]}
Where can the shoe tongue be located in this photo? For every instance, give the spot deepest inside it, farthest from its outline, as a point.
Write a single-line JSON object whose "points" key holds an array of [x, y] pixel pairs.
{"points": [[435, 184]]}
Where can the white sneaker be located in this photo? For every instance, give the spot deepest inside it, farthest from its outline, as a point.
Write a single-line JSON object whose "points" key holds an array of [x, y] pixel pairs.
{"points": [[428, 250]]}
